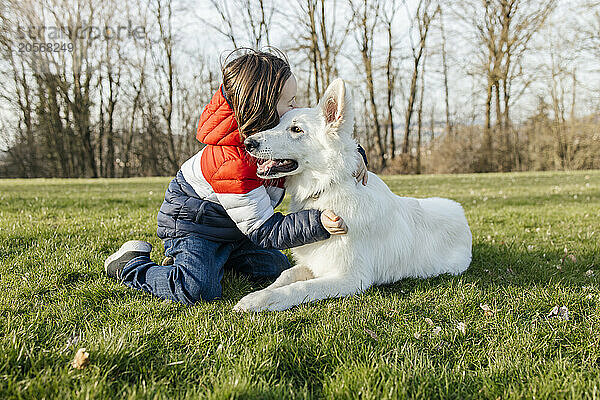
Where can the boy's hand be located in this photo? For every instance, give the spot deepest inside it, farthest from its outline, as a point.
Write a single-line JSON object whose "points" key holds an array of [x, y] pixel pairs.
{"points": [[361, 172], [334, 224]]}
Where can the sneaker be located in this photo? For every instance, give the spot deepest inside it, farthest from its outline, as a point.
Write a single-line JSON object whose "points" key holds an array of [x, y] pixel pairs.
{"points": [[114, 264]]}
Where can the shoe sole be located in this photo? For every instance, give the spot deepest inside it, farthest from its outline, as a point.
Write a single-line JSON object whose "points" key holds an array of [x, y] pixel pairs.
{"points": [[136, 246]]}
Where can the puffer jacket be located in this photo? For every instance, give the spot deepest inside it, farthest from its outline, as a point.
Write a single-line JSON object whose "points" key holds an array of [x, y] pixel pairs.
{"points": [[218, 196]]}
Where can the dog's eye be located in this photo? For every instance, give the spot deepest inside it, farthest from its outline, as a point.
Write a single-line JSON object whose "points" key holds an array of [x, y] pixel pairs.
{"points": [[295, 129]]}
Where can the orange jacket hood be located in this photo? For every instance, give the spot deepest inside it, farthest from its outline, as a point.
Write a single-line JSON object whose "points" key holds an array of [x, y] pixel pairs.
{"points": [[217, 124]]}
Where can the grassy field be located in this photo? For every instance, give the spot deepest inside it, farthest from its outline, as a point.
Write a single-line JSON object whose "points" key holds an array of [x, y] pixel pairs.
{"points": [[535, 246]]}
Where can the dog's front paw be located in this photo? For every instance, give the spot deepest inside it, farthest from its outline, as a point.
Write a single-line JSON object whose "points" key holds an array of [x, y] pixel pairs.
{"points": [[261, 300]]}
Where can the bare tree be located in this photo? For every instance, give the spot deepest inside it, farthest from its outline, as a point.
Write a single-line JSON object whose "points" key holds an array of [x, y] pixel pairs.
{"points": [[503, 30], [21, 98], [318, 42], [391, 73], [130, 107], [255, 16], [425, 13], [257, 21], [165, 69], [590, 31], [111, 71], [418, 169], [366, 17], [225, 25], [445, 74]]}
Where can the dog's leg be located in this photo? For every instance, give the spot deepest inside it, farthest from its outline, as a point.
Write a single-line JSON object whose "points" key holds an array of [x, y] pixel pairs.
{"points": [[291, 275], [296, 293]]}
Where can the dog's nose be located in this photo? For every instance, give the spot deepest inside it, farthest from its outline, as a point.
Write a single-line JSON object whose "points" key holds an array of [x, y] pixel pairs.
{"points": [[251, 144]]}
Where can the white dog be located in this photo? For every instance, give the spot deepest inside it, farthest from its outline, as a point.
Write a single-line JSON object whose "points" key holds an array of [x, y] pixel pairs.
{"points": [[389, 237]]}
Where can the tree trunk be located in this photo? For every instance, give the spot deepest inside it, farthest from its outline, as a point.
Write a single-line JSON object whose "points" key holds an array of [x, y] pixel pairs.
{"points": [[445, 71], [420, 120], [390, 92], [489, 150]]}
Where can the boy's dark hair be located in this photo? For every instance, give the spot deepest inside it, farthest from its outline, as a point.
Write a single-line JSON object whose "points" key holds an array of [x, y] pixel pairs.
{"points": [[253, 83]]}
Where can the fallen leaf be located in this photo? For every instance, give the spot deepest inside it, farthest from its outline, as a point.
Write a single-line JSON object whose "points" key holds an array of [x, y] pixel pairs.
{"points": [[559, 312], [461, 327], [371, 333], [417, 335], [81, 360], [391, 313], [589, 272], [572, 258], [437, 330], [487, 310], [429, 321]]}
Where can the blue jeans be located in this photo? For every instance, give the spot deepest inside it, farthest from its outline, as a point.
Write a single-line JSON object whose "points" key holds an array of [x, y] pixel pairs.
{"points": [[198, 268]]}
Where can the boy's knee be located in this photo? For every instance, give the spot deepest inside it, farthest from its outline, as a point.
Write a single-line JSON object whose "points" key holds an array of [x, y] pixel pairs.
{"points": [[203, 292]]}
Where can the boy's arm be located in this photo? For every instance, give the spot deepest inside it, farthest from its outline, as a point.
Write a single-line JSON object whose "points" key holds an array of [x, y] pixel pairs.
{"points": [[291, 230], [253, 214]]}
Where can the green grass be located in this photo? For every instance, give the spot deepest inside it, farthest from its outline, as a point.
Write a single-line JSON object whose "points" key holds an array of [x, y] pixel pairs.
{"points": [[55, 235]]}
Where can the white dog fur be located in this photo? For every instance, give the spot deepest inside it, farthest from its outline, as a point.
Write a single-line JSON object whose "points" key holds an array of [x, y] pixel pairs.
{"points": [[389, 237]]}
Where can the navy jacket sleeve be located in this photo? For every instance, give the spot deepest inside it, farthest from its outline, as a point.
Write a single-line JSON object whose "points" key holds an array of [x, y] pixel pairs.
{"points": [[291, 230], [363, 153]]}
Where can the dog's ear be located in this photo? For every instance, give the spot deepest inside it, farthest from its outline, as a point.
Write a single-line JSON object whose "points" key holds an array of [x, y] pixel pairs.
{"points": [[333, 103]]}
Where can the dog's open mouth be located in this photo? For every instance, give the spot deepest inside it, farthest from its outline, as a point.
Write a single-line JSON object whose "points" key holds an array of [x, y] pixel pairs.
{"points": [[273, 167]]}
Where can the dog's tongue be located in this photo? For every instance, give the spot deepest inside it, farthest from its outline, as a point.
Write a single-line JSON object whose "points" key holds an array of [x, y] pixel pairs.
{"points": [[265, 165]]}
